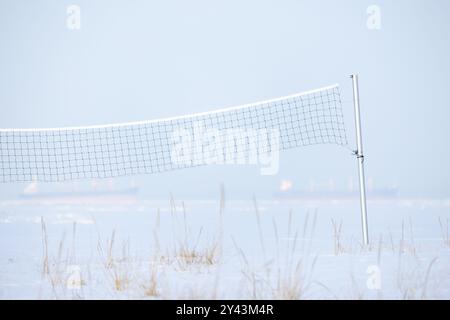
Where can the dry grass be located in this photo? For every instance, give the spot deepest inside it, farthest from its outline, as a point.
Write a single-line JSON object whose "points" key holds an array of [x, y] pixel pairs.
{"points": [[413, 282], [189, 250], [404, 245], [445, 231], [118, 267], [151, 287], [45, 266], [58, 269], [286, 273], [294, 281], [122, 269], [189, 253], [337, 237]]}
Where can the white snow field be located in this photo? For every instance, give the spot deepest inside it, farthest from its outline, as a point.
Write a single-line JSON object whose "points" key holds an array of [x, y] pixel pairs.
{"points": [[216, 249]]}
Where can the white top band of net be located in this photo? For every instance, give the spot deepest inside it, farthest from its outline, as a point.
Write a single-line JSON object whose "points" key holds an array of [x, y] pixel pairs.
{"points": [[238, 133]]}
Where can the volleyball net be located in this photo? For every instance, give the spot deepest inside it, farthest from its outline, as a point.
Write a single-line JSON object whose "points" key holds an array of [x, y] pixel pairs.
{"points": [[230, 135]]}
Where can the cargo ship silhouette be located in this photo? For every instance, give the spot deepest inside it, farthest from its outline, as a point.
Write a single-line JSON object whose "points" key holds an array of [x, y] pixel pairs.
{"points": [[79, 193], [328, 190]]}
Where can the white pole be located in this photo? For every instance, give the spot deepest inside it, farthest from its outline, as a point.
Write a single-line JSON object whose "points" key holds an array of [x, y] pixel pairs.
{"points": [[360, 158]]}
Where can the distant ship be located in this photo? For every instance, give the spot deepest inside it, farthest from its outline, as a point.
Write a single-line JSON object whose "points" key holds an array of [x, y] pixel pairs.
{"points": [[76, 193], [329, 191], [336, 194]]}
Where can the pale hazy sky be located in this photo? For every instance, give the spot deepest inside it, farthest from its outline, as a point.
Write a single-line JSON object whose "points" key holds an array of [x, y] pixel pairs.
{"points": [[137, 60]]}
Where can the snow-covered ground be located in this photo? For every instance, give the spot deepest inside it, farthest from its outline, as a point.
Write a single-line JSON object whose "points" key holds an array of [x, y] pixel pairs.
{"points": [[173, 249]]}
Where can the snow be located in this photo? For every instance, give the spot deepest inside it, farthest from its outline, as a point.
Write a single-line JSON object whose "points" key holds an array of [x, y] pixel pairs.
{"points": [[267, 249]]}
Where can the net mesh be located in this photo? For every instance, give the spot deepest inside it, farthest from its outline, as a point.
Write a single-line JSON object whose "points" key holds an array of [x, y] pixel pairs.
{"points": [[72, 153]]}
